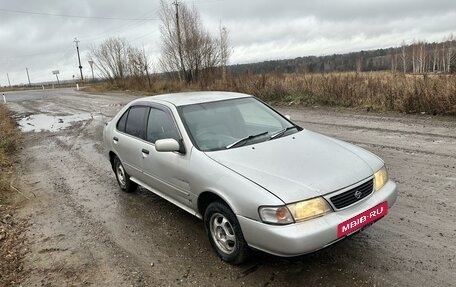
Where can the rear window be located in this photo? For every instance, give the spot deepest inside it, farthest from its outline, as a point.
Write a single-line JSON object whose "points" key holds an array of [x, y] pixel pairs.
{"points": [[136, 121]]}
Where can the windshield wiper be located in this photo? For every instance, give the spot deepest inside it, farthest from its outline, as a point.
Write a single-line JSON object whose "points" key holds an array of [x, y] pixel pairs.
{"points": [[243, 140], [282, 132]]}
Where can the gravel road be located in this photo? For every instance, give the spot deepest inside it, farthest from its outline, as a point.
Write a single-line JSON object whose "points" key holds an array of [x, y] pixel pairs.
{"points": [[84, 231]]}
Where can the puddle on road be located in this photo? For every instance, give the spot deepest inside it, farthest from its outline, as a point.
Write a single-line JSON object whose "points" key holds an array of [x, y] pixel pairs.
{"points": [[52, 123]]}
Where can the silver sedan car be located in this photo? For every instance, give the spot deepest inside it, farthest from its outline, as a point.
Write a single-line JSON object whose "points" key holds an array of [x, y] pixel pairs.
{"points": [[256, 179]]}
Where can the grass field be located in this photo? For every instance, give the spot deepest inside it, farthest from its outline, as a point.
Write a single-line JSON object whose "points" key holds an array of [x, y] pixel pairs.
{"points": [[376, 91], [434, 94]]}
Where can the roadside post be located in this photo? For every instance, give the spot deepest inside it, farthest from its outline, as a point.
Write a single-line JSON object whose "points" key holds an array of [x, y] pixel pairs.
{"points": [[4, 98]]}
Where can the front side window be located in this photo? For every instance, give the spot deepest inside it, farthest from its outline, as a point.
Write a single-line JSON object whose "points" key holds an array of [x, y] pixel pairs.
{"points": [[233, 123], [160, 125], [136, 121]]}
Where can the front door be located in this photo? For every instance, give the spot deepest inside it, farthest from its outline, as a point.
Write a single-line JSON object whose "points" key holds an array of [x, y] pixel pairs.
{"points": [[167, 172]]}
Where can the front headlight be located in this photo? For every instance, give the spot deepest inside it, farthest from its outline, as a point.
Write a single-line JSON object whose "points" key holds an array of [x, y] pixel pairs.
{"points": [[380, 178], [308, 209], [299, 211]]}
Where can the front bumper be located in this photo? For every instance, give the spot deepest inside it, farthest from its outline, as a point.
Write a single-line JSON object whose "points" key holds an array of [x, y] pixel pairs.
{"points": [[308, 236]]}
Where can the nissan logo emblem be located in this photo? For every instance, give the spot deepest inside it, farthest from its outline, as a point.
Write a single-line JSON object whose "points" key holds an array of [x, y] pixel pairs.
{"points": [[358, 194]]}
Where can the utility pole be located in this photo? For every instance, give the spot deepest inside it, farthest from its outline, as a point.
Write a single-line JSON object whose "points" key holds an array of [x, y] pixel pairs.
{"points": [[79, 58], [9, 83], [28, 77]]}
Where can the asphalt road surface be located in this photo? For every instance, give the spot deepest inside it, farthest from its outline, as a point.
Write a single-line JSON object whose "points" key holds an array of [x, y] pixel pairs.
{"points": [[84, 231]]}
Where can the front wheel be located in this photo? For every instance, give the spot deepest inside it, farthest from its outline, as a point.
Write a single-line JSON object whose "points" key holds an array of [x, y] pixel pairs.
{"points": [[123, 179], [225, 234]]}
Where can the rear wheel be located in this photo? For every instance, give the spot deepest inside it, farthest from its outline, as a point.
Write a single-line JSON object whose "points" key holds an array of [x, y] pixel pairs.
{"points": [[225, 234], [123, 179]]}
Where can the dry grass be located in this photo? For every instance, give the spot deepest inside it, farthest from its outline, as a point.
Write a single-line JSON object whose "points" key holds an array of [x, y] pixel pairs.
{"points": [[134, 85], [6, 89], [377, 91], [433, 94], [9, 139], [11, 238]]}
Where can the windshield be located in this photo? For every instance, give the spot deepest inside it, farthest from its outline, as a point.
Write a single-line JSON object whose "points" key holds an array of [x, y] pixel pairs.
{"points": [[232, 123]]}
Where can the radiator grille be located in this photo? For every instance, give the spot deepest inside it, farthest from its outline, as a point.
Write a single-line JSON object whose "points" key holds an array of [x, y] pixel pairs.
{"points": [[353, 195]]}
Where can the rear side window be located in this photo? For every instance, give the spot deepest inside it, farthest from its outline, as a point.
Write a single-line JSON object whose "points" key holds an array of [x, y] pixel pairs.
{"points": [[123, 120], [136, 121]]}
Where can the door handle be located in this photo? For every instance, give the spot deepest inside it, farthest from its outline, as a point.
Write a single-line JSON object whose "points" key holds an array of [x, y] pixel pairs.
{"points": [[145, 151], [115, 139]]}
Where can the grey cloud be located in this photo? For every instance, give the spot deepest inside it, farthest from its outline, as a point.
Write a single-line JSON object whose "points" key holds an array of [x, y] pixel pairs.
{"points": [[259, 30]]}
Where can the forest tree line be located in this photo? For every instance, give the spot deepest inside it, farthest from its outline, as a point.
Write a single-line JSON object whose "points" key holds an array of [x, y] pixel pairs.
{"points": [[417, 57]]}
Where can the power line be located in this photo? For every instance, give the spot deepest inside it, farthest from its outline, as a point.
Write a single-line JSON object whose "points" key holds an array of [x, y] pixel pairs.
{"points": [[142, 36], [92, 37], [27, 55], [111, 32], [206, 2], [76, 16]]}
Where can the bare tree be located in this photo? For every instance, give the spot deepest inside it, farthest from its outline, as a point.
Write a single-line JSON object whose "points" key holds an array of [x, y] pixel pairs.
{"points": [[450, 53], [452, 60], [393, 59], [359, 63], [435, 58], [116, 59], [421, 57], [414, 66], [224, 50], [110, 58], [443, 56], [404, 56], [188, 50]]}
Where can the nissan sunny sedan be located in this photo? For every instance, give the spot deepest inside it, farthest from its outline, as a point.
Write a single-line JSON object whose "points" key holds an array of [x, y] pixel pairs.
{"points": [[256, 179]]}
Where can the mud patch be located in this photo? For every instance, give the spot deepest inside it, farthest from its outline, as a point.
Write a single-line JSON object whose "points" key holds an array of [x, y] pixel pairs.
{"points": [[51, 123]]}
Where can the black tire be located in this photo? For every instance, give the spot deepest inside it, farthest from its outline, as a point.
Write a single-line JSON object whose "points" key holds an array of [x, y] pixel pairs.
{"points": [[123, 179], [232, 251]]}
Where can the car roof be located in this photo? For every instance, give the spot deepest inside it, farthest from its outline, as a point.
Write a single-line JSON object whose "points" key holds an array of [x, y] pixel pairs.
{"points": [[189, 98]]}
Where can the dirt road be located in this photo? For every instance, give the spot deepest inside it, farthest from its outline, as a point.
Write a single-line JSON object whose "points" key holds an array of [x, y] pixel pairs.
{"points": [[84, 231]]}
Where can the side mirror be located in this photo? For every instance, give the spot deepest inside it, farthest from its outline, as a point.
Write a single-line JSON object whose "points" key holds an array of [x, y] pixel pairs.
{"points": [[167, 145], [288, 117]]}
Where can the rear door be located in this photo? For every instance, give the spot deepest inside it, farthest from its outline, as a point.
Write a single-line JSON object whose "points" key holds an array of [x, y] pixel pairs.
{"points": [[128, 139]]}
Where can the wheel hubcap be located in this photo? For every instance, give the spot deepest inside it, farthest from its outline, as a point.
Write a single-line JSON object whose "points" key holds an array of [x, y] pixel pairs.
{"points": [[222, 233], [121, 175]]}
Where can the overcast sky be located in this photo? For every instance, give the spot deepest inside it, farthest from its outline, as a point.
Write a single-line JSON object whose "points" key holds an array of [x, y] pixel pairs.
{"points": [[259, 30]]}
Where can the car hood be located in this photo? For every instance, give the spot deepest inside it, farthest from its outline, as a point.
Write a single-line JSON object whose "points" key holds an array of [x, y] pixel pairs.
{"points": [[300, 166]]}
